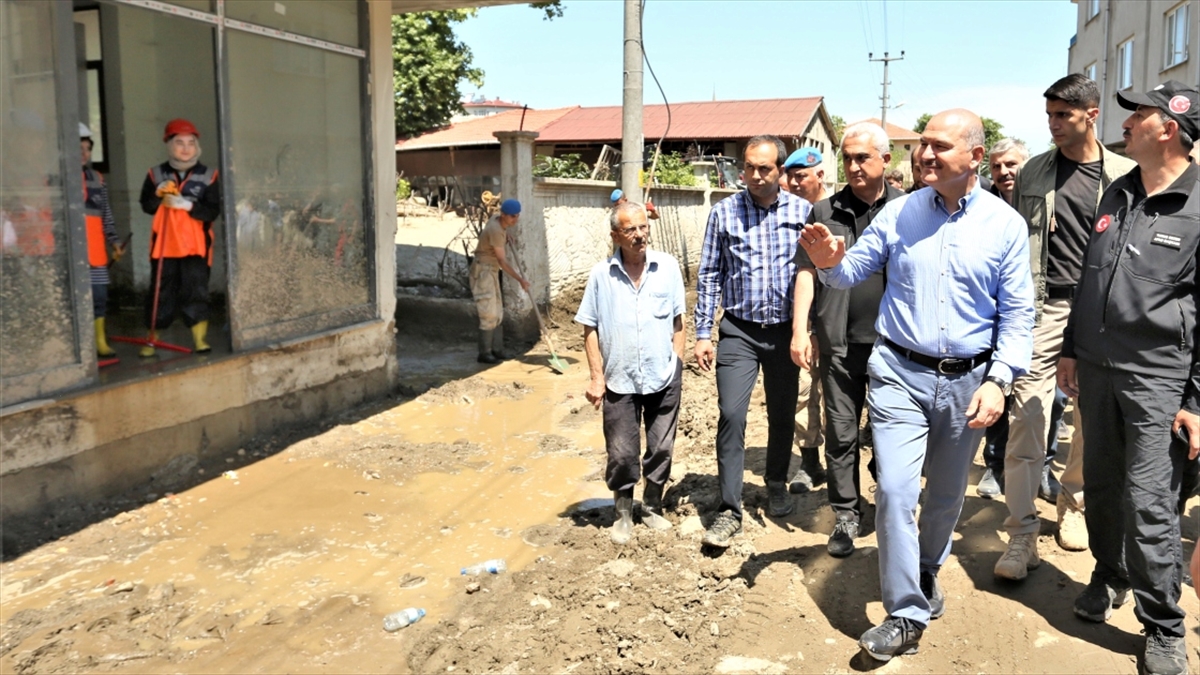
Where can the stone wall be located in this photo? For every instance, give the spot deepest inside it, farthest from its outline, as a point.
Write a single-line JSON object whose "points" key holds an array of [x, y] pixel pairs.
{"points": [[574, 215]]}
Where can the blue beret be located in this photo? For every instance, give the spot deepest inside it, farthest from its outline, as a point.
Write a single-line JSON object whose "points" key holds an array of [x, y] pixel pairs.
{"points": [[804, 158], [510, 207], [616, 194]]}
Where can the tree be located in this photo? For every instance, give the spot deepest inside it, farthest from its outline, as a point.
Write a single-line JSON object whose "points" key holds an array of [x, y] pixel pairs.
{"points": [[428, 63], [839, 125]]}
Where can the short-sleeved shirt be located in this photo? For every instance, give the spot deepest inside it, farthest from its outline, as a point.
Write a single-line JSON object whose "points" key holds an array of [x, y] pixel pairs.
{"points": [[635, 326], [490, 239], [1076, 188]]}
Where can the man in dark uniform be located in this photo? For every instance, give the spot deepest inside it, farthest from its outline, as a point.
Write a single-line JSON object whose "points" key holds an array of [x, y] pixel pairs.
{"points": [[845, 322], [1130, 355]]}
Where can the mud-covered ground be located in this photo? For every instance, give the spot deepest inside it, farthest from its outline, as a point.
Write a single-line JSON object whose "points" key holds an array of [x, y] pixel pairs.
{"points": [[289, 562]]}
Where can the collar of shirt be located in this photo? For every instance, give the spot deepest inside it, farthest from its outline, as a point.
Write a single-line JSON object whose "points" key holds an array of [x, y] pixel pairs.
{"points": [[773, 206], [616, 260], [963, 204]]}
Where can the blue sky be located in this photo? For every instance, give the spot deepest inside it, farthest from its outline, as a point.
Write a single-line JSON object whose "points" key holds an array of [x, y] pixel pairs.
{"points": [[995, 58]]}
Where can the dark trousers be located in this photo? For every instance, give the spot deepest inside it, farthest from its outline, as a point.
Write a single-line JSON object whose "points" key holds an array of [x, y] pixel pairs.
{"points": [[99, 300], [742, 349], [1132, 470], [995, 439], [845, 380], [184, 291], [623, 414]]}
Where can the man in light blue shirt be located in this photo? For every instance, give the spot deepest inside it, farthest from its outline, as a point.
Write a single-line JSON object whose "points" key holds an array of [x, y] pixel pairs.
{"points": [[632, 313], [955, 329]]}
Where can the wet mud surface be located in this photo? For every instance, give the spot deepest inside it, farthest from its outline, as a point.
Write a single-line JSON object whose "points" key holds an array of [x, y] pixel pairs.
{"points": [[286, 557]]}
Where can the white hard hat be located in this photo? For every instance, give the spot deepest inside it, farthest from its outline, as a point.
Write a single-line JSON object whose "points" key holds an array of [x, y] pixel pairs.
{"points": [[84, 132]]}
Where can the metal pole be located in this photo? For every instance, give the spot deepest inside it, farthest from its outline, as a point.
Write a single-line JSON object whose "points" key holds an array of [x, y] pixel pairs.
{"points": [[631, 103]]}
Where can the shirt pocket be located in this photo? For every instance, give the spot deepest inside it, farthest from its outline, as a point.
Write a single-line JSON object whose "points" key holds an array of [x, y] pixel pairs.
{"points": [[1159, 256], [661, 305]]}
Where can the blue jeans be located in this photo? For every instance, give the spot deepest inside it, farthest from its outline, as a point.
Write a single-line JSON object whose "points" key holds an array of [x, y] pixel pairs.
{"points": [[919, 420]]}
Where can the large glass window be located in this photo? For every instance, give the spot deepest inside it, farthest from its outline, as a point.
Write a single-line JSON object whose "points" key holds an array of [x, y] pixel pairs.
{"points": [[331, 21], [296, 134], [37, 319], [1125, 64], [1177, 36]]}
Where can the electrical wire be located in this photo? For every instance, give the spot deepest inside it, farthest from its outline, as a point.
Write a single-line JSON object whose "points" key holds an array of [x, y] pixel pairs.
{"points": [[667, 130]]}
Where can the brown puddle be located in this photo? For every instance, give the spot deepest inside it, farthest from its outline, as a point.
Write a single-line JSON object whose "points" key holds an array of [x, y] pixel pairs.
{"points": [[301, 556]]}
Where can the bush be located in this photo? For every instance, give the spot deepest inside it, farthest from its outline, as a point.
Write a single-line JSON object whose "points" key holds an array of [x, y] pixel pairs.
{"points": [[672, 170], [403, 189], [567, 166]]}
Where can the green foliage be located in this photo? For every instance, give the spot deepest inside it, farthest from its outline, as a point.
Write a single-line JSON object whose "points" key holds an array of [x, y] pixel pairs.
{"points": [[428, 63], [672, 170], [567, 166], [403, 189], [839, 125]]}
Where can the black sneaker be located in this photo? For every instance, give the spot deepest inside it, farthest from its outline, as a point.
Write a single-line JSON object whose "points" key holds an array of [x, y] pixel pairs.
{"points": [[1164, 655], [722, 531], [1098, 600], [779, 504], [811, 463], [487, 358], [932, 588], [841, 542], [893, 637]]}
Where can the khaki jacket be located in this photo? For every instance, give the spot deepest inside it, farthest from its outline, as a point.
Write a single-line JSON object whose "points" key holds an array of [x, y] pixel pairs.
{"points": [[1033, 198]]}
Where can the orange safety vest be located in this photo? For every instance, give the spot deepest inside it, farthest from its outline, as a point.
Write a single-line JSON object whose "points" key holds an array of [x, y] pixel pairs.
{"points": [[175, 233], [93, 216]]}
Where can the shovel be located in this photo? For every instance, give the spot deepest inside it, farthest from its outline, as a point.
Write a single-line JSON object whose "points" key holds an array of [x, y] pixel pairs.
{"points": [[556, 364]]}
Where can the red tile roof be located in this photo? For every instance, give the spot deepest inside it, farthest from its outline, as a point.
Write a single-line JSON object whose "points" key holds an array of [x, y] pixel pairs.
{"points": [[478, 130], [894, 132], [785, 117]]}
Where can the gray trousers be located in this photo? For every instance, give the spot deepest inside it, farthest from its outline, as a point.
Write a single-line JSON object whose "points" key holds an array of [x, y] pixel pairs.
{"points": [[919, 420], [844, 379], [1132, 472], [623, 415], [743, 348]]}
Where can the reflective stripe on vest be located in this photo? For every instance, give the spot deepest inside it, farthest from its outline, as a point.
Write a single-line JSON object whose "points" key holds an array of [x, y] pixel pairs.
{"points": [[93, 216], [176, 234]]}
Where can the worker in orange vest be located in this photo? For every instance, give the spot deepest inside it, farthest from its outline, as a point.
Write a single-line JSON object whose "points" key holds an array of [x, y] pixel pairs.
{"points": [[184, 197], [101, 232]]}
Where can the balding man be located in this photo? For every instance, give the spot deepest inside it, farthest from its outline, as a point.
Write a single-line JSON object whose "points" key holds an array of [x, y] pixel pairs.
{"points": [[954, 327]]}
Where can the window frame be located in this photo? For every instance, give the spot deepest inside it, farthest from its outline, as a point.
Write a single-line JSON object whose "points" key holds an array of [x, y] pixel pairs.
{"points": [[1125, 71], [1093, 9], [1171, 21], [1090, 71]]}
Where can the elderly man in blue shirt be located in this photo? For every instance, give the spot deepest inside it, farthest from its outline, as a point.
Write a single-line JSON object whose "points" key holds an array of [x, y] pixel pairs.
{"points": [[747, 263], [955, 329], [632, 313]]}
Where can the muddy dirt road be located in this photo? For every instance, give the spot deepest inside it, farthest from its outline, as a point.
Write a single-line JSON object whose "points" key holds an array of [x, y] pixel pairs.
{"points": [[286, 556]]}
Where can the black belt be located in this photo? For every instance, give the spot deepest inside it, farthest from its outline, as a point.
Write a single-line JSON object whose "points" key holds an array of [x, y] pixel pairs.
{"points": [[756, 323], [944, 366], [1060, 292]]}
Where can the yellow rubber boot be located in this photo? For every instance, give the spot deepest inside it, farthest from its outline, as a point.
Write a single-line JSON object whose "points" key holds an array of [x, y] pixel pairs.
{"points": [[199, 331], [148, 350], [102, 347]]}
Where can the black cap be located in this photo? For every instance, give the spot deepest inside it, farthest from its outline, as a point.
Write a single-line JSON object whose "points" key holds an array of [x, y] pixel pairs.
{"points": [[1174, 98]]}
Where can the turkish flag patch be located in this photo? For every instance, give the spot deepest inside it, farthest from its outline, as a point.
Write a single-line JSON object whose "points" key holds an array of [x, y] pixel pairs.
{"points": [[1179, 105], [1103, 223]]}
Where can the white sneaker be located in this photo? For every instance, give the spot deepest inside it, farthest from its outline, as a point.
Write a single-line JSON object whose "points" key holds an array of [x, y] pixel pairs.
{"points": [[1020, 557], [1072, 528]]}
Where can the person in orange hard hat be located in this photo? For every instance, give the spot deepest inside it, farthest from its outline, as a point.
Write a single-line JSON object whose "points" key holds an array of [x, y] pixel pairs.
{"points": [[184, 197], [101, 233]]}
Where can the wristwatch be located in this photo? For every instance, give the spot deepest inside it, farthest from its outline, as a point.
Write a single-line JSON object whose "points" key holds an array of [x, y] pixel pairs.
{"points": [[1005, 387]]}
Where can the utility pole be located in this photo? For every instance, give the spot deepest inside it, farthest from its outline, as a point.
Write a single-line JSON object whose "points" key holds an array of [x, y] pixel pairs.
{"points": [[884, 108], [631, 102]]}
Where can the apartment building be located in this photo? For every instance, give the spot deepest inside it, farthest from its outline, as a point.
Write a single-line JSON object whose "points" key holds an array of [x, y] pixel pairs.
{"points": [[1134, 46]]}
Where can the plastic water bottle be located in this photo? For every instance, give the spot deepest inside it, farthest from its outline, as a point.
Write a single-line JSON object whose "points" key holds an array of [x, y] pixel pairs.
{"points": [[489, 566], [397, 620]]}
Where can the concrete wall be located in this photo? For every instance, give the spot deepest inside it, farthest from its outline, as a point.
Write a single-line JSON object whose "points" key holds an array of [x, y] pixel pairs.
{"points": [[574, 214], [1098, 37]]}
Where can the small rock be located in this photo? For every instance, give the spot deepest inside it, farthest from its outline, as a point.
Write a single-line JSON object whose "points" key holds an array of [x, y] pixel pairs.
{"points": [[412, 581], [714, 629], [123, 587], [539, 601], [517, 384], [472, 587], [467, 399], [371, 475], [241, 452]]}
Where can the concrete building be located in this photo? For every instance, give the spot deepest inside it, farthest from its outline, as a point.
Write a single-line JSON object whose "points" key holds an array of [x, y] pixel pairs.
{"points": [[478, 106], [303, 254], [1134, 46]]}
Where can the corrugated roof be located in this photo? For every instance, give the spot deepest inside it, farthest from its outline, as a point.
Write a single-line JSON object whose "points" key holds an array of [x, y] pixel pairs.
{"points": [[785, 117], [478, 130], [894, 132]]}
